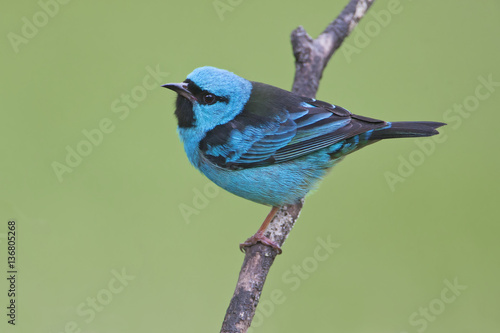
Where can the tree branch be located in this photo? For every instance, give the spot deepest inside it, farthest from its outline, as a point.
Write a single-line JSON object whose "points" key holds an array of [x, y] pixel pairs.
{"points": [[311, 58], [312, 55]]}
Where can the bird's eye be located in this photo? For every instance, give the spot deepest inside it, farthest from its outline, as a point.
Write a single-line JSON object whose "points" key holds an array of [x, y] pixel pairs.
{"points": [[209, 99]]}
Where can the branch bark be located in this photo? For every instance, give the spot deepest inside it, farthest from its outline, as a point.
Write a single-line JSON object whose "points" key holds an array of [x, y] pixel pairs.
{"points": [[311, 58]]}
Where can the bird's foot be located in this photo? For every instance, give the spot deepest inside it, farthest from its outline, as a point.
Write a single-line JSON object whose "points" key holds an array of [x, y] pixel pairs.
{"points": [[259, 237]]}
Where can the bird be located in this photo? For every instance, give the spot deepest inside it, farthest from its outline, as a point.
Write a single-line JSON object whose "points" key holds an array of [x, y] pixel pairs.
{"points": [[267, 144]]}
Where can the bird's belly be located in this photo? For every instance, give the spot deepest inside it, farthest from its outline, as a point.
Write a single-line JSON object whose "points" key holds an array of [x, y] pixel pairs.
{"points": [[275, 185]]}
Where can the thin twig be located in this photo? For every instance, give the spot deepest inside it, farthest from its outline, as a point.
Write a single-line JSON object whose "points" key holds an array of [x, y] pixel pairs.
{"points": [[311, 58]]}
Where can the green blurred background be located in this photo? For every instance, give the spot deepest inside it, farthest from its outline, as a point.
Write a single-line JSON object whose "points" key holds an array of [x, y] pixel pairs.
{"points": [[118, 211]]}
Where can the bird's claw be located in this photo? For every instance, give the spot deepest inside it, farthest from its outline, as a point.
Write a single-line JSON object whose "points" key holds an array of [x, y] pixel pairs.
{"points": [[259, 237]]}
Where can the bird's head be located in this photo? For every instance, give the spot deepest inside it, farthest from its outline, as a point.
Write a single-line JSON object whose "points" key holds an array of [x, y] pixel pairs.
{"points": [[209, 97]]}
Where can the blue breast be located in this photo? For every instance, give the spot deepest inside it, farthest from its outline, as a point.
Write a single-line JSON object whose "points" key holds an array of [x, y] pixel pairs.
{"points": [[275, 185]]}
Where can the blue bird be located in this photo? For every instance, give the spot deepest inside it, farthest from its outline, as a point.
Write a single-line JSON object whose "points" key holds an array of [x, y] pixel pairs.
{"points": [[267, 144]]}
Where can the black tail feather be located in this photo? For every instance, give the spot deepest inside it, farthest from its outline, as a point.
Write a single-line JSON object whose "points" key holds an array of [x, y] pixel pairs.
{"points": [[404, 129]]}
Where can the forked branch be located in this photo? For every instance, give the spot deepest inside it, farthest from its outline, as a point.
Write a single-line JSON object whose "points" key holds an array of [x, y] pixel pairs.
{"points": [[311, 58]]}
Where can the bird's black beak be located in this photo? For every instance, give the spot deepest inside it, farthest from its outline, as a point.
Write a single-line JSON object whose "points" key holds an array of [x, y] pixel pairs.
{"points": [[181, 89]]}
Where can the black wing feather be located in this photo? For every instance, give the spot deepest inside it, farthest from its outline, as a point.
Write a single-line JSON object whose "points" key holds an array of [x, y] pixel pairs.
{"points": [[276, 126]]}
